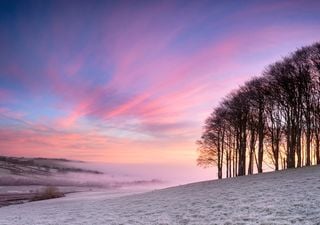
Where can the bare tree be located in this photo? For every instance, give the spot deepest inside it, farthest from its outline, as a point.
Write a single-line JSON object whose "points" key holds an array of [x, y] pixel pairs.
{"points": [[275, 115]]}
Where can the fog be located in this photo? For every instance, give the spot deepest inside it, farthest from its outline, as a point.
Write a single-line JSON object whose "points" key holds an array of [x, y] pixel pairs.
{"points": [[163, 175], [57, 172]]}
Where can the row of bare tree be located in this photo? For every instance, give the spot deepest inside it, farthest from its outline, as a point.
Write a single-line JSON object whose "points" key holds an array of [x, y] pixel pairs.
{"points": [[271, 121]]}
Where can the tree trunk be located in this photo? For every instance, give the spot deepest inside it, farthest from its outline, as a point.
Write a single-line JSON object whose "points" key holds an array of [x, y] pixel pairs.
{"points": [[252, 147], [261, 137], [318, 148], [299, 152], [308, 141]]}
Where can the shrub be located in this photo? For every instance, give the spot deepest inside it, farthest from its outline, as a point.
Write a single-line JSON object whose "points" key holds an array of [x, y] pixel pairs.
{"points": [[48, 193]]}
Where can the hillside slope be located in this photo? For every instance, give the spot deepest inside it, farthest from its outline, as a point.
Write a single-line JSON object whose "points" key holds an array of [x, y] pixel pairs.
{"points": [[39, 166], [285, 197]]}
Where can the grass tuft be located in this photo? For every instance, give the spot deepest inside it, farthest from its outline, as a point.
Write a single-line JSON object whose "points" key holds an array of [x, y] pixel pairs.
{"points": [[48, 193]]}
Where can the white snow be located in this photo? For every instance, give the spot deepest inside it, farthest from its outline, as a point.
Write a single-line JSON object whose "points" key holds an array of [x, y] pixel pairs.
{"points": [[285, 197]]}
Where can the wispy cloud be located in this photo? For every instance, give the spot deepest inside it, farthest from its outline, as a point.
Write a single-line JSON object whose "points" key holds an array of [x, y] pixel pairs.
{"points": [[120, 82]]}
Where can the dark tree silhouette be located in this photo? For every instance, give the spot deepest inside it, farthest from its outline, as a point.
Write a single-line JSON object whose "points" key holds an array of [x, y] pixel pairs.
{"points": [[271, 119]]}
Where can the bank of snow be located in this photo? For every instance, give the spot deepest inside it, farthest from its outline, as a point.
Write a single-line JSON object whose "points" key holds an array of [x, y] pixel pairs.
{"points": [[286, 197]]}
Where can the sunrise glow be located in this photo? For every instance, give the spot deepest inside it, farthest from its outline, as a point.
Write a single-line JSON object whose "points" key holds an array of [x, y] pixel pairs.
{"points": [[125, 82]]}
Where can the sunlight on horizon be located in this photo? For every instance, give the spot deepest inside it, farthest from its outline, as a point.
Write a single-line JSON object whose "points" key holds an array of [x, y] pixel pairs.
{"points": [[132, 84]]}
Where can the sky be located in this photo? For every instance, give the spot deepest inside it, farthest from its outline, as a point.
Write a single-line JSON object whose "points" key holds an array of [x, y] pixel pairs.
{"points": [[131, 82]]}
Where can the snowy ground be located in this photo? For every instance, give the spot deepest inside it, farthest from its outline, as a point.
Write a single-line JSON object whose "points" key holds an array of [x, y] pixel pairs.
{"points": [[286, 197]]}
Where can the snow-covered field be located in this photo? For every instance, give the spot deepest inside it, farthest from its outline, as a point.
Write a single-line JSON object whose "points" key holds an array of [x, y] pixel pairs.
{"points": [[286, 197]]}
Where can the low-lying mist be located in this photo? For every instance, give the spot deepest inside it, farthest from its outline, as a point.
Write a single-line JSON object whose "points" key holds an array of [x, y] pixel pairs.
{"points": [[62, 172]]}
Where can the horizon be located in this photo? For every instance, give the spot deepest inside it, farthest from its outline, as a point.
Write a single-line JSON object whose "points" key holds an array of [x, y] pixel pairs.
{"points": [[126, 83]]}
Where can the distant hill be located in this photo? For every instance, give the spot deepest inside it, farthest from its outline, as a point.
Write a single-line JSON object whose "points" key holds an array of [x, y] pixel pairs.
{"points": [[40, 166], [21, 171]]}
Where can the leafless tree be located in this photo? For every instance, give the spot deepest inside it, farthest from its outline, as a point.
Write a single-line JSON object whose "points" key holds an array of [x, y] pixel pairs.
{"points": [[274, 117]]}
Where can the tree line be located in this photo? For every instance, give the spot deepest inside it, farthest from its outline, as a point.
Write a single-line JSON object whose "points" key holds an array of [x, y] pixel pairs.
{"points": [[272, 120]]}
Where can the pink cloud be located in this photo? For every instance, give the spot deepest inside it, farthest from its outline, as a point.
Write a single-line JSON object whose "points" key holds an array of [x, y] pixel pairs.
{"points": [[173, 77], [156, 89]]}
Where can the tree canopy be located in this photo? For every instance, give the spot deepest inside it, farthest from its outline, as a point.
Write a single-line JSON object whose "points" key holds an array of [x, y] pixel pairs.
{"points": [[272, 120]]}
